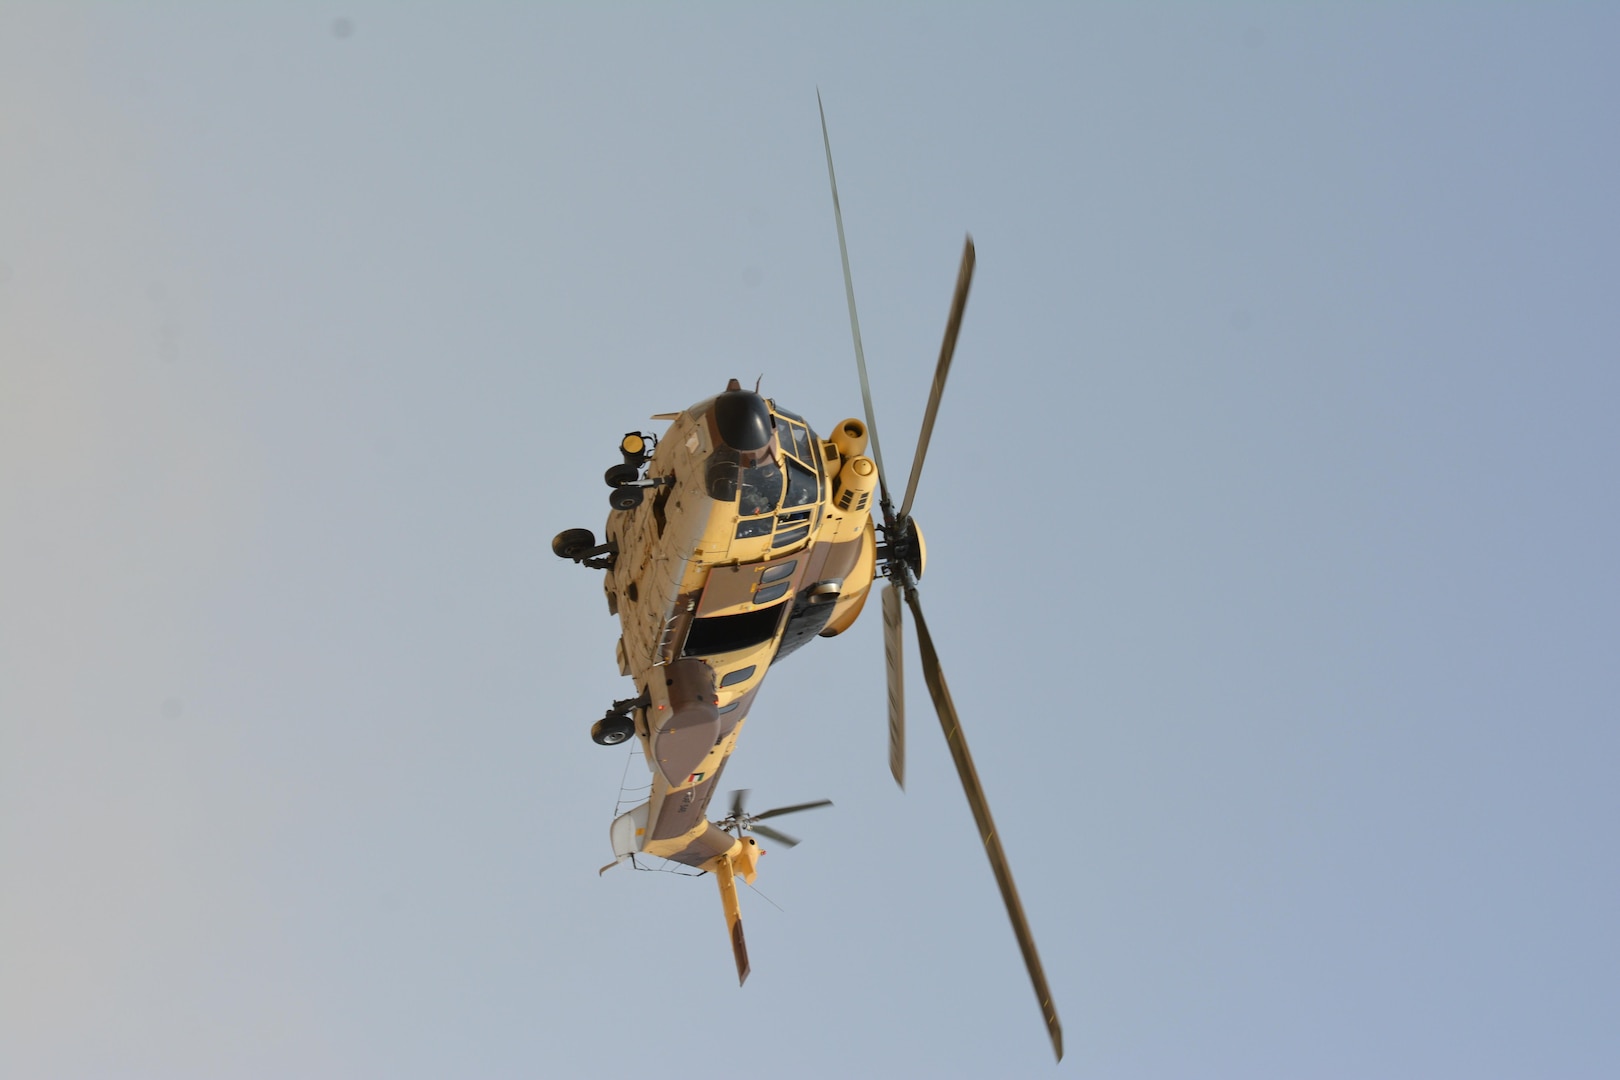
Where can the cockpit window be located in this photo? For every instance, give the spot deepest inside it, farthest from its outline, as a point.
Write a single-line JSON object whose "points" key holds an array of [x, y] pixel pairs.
{"points": [[801, 485], [799, 436], [721, 476], [794, 434], [760, 489], [793, 479]]}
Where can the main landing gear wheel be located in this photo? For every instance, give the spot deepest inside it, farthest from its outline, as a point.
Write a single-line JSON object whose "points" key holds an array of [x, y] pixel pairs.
{"points": [[620, 475], [625, 498], [573, 543], [612, 730]]}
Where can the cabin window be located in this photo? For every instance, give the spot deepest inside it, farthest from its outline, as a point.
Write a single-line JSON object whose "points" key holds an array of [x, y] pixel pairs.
{"points": [[771, 592], [732, 678], [790, 536], [753, 527], [717, 634], [778, 572]]}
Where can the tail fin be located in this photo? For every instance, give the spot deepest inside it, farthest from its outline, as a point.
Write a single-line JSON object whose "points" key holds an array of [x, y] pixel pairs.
{"points": [[727, 877], [738, 861]]}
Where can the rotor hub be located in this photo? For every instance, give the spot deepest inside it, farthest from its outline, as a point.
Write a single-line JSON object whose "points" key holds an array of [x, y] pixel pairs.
{"points": [[903, 552]]}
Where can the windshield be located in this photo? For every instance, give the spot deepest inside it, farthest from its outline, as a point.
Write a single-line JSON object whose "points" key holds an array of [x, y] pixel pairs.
{"points": [[760, 489], [791, 479], [801, 488]]}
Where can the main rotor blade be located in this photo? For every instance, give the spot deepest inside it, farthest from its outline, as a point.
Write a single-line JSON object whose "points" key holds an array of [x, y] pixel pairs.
{"points": [[954, 738], [854, 321], [947, 349], [771, 834], [794, 809], [894, 659]]}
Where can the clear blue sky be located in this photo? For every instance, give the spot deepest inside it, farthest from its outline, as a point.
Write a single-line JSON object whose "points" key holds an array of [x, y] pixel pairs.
{"points": [[1271, 515]]}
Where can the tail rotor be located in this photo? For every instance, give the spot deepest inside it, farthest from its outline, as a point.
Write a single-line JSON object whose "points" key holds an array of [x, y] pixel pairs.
{"points": [[738, 820]]}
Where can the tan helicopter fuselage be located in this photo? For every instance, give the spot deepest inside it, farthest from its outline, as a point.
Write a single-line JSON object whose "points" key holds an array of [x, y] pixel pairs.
{"points": [[754, 537]]}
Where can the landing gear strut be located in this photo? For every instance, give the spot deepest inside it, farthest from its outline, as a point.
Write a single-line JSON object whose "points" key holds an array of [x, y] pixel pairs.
{"points": [[629, 489]]}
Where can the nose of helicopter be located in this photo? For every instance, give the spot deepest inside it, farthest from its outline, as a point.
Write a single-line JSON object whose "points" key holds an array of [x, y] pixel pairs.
{"points": [[743, 418]]}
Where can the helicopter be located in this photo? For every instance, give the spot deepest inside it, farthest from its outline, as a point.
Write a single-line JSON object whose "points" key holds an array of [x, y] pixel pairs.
{"points": [[736, 537]]}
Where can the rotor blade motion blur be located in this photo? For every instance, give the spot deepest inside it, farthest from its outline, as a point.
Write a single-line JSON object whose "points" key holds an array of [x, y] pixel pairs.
{"points": [[772, 834], [780, 810], [947, 349], [935, 677]]}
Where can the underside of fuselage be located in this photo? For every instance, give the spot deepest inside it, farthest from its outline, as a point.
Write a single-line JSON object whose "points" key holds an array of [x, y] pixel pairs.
{"points": [[755, 539]]}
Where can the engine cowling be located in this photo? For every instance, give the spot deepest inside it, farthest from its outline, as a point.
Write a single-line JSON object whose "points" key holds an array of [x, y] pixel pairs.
{"points": [[852, 490], [850, 438]]}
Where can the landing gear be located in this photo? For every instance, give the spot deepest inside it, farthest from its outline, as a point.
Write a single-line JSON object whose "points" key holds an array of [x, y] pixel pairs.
{"points": [[620, 475], [573, 543], [580, 545], [618, 725], [628, 486], [612, 729], [629, 489], [626, 498]]}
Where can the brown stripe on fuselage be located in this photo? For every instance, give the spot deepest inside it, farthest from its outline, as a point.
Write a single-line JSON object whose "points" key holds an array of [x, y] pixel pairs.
{"points": [[686, 736], [682, 810], [730, 720], [713, 841], [840, 559]]}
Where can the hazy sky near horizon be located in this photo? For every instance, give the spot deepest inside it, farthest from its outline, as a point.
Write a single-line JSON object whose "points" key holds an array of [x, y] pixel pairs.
{"points": [[1271, 519]]}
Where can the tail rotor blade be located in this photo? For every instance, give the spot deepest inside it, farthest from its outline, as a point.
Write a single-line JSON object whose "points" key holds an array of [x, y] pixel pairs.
{"points": [[794, 809], [738, 798], [854, 321], [894, 659], [771, 834], [947, 349], [935, 677]]}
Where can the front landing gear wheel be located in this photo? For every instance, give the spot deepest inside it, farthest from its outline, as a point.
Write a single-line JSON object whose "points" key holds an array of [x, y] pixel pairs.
{"points": [[612, 730], [573, 543], [625, 498]]}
